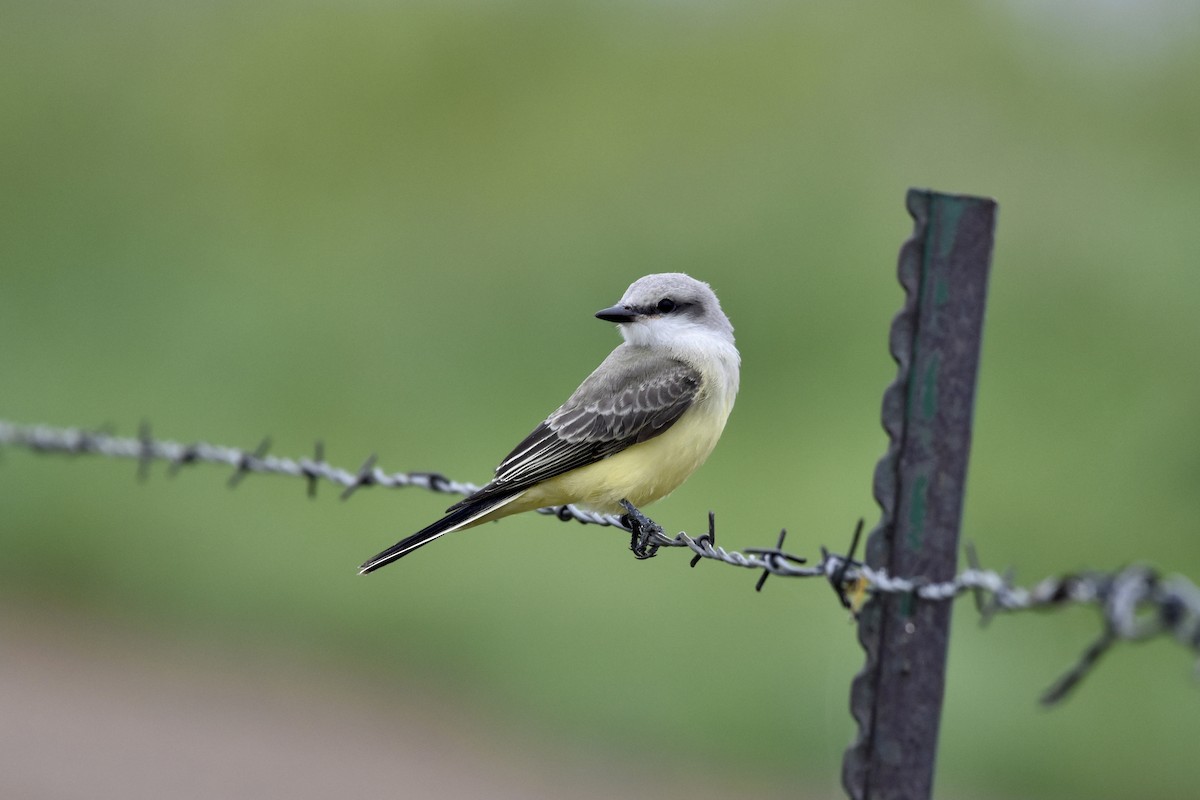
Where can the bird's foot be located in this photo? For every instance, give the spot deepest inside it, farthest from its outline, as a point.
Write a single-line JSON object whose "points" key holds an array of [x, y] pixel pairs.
{"points": [[642, 531]]}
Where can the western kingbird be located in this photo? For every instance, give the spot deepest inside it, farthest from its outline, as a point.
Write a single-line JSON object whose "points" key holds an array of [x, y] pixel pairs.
{"points": [[634, 430]]}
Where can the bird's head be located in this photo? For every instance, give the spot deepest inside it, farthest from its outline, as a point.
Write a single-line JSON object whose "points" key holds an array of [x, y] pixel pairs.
{"points": [[666, 309]]}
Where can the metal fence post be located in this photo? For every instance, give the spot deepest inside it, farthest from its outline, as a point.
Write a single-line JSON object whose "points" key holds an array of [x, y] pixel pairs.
{"points": [[897, 698]]}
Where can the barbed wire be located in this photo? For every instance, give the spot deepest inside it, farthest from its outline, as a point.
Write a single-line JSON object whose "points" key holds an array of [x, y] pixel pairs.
{"points": [[1136, 602], [147, 450]]}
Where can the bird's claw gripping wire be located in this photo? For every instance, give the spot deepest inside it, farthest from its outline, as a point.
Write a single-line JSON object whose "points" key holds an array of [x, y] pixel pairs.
{"points": [[642, 531]]}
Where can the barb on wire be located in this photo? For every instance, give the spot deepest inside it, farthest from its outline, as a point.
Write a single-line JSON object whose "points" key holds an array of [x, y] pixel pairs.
{"points": [[1136, 602]]}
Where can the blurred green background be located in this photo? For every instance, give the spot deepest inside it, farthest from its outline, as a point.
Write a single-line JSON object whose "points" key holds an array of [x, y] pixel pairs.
{"points": [[387, 226]]}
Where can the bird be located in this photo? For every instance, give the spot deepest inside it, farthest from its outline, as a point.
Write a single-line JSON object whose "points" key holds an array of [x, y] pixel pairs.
{"points": [[634, 430]]}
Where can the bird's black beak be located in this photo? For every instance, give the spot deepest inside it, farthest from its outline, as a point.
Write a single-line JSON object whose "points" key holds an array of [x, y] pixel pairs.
{"points": [[617, 314]]}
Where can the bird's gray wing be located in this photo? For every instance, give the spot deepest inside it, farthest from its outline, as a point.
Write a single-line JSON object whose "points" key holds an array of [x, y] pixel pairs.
{"points": [[633, 396]]}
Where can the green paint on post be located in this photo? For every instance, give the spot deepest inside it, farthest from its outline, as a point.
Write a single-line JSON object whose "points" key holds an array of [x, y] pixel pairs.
{"points": [[929, 397], [950, 210], [916, 512], [941, 292]]}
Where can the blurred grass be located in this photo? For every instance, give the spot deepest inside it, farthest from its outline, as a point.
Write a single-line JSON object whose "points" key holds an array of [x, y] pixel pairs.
{"points": [[387, 227]]}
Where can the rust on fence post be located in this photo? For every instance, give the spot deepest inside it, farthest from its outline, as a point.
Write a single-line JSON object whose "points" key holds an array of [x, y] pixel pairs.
{"points": [[897, 698]]}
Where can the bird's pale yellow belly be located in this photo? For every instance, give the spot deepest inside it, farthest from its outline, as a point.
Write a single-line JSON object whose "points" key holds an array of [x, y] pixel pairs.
{"points": [[641, 474]]}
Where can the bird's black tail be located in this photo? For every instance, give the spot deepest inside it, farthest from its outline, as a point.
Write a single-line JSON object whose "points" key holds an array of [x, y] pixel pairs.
{"points": [[459, 517]]}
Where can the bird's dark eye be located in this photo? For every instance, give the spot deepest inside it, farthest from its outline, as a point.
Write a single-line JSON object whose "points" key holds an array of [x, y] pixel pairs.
{"points": [[666, 305]]}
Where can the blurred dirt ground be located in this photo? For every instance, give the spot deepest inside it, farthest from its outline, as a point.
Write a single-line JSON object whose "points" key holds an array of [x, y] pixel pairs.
{"points": [[91, 711]]}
